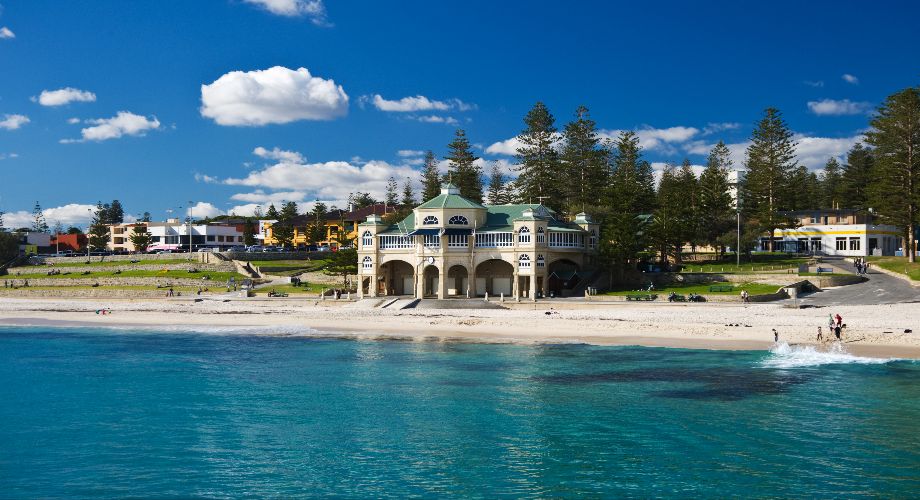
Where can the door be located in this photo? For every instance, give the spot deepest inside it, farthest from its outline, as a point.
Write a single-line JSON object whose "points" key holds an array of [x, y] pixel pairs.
{"points": [[501, 286], [408, 285], [480, 286]]}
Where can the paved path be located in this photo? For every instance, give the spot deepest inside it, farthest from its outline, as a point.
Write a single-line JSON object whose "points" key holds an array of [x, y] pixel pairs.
{"points": [[880, 289]]}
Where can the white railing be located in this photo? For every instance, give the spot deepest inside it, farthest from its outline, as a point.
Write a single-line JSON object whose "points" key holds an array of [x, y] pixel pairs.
{"points": [[389, 241], [566, 240], [432, 241], [494, 240], [457, 241]]}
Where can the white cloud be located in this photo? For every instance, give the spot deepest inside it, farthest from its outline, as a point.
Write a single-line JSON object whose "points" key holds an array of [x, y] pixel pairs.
{"points": [[203, 209], [448, 120], [332, 180], [73, 121], [831, 107], [813, 152], [713, 128], [122, 124], [314, 9], [408, 153], [508, 147], [6, 33], [13, 122], [64, 96], [278, 154], [8, 156], [850, 79], [73, 214], [274, 95], [261, 197], [417, 103], [814, 83], [207, 179]]}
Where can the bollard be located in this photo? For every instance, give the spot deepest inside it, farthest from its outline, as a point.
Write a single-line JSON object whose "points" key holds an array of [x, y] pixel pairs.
{"points": [[487, 297], [349, 295], [322, 295], [502, 299]]}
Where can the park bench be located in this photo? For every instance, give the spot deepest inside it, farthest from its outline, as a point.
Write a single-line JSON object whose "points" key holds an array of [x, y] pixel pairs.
{"points": [[825, 270], [677, 298], [722, 288], [641, 297]]}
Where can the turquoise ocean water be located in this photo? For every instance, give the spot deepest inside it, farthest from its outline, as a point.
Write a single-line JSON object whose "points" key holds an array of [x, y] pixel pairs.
{"points": [[224, 413]]}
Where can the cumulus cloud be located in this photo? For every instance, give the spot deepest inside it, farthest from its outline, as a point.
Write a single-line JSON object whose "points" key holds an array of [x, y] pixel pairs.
{"points": [[850, 79], [64, 96], [447, 120], [13, 122], [508, 147], [314, 9], [203, 209], [813, 152], [278, 154], [73, 214], [122, 124], [272, 96], [408, 153], [814, 83], [714, 128], [261, 197], [73, 121], [417, 103], [8, 156], [831, 107], [207, 179], [6, 33]]}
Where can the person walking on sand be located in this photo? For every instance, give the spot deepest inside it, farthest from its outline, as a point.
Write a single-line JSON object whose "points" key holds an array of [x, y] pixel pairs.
{"points": [[744, 296], [775, 336], [820, 336], [838, 324]]}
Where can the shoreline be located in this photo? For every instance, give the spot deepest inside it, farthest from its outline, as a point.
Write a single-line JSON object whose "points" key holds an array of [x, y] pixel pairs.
{"points": [[872, 331]]}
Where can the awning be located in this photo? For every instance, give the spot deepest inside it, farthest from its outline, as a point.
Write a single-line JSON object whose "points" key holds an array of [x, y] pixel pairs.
{"points": [[458, 232], [564, 275], [425, 232]]}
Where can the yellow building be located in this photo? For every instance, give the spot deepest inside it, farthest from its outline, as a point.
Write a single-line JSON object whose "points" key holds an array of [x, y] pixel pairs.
{"points": [[337, 221]]}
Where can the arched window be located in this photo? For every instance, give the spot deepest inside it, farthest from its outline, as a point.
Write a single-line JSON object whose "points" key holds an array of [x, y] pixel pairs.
{"points": [[524, 262], [592, 241], [541, 235], [367, 239], [368, 262], [430, 221], [541, 262], [524, 235], [458, 220]]}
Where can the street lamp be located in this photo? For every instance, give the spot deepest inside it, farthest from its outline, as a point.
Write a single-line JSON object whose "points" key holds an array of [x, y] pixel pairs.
{"points": [[190, 230], [738, 249], [90, 225]]}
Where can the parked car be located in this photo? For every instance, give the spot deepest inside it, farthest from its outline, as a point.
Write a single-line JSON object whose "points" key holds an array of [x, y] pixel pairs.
{"points": [[164, 251], [323, 248], [207, 250], [254, 248], [269, 248], [238, 248]]}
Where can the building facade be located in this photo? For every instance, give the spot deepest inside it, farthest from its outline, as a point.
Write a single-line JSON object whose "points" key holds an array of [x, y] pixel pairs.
{"points": [[837, 232], [451, 246], [174, 235], [339, 223]]}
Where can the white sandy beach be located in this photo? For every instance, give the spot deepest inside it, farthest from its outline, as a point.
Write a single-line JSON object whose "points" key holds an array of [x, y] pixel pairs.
{"points": [[871, 330]]}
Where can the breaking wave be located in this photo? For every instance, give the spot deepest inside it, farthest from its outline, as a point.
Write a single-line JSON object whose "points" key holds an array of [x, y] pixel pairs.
{"points": [[785, 356]]}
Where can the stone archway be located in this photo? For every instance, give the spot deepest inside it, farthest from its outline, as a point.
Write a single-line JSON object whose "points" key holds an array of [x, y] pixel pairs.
{"points": [[458, 281], [398, 278], [562, 276], [430, 281], [495, 277]]}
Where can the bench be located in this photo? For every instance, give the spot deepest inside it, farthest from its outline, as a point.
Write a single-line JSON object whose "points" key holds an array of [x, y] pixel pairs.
{"points": [[641, 297], [825, 270], [677, 298], [722, 288]]}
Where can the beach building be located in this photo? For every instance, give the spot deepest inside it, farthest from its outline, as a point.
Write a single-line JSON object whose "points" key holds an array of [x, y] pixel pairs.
{"points": [[33, 242], [843, 232], [337, 222], [174, 235], [451, 246]]}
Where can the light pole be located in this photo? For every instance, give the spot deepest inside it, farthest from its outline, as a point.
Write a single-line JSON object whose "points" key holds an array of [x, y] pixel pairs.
{"points": [[190, 230], [88, 229], [738, 250]]}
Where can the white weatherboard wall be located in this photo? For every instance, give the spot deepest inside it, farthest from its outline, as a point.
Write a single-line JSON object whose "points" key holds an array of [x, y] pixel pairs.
{"points": [[848, 240]]}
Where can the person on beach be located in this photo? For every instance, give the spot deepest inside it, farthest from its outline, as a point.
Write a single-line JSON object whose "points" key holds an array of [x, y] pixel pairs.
{"points": [[838, 324], [775, 336], [744, 296], [820, 335]]}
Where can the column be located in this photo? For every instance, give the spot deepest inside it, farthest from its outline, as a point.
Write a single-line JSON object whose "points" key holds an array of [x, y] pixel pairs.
{"points": [[533, 287], [372, 286], [515, 292], [419, 283], [442, 282], [471, 286]]}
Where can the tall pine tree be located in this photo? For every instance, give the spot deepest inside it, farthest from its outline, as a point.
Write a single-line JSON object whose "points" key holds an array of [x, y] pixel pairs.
{"points": [[689, 213], [831, 186], [716, 212], [856, 177], [538, 160], [431, 179], [895, 135], [667, 228], [583, 163], [770, 163], [498, 188], [391, 197], [408, 195], [462, 169], [38, 219]]}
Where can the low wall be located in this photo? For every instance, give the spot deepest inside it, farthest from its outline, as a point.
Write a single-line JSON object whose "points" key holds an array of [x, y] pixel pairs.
{"points": [[91, 293], [662, 279], [829, 281], [119, 258], [69, 282], [223, 267], [247, 256]]}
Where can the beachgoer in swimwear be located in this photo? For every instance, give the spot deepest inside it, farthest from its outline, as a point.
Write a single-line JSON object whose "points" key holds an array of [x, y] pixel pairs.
{"points": [[820, 335], [775, 335]]}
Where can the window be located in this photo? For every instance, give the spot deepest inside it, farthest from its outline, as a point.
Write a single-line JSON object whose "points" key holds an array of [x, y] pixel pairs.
{"points": [[566, 239], [841, 243], [524, 262], [493, 240], [524, 235], [854, 243], [430, 220], [220, 237], [457, 220], [210, 237], [814, 218], [457, 241], [368, 262], [541, 235], [816, 244], [592, 242], [541, 262], [367, 239], [239, 238], [388, 241]]}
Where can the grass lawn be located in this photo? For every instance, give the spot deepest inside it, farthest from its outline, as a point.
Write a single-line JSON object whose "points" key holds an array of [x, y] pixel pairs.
{"points": [[703, 289], [898, 265], [214, 276], [288, 267], [81, 262], [761, 263], [118, 287], [304, 288]]}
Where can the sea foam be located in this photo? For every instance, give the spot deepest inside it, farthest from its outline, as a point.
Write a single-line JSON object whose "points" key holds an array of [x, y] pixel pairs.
{"points": [[785, 356]]}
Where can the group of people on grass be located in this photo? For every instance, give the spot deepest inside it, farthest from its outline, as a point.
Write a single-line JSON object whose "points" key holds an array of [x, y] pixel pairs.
{"points": [[861, 265]]}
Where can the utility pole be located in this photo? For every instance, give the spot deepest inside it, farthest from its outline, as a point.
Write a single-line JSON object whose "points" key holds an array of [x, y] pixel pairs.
{"points": [[738, 250], [190, 230]]}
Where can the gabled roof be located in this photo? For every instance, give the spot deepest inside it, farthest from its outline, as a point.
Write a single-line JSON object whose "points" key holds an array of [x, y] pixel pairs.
{"points": [[500, 218], [450, 198]]}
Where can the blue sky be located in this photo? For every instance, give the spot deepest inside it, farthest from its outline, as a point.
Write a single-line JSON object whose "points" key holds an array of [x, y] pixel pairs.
{"points": [[159, 103]]}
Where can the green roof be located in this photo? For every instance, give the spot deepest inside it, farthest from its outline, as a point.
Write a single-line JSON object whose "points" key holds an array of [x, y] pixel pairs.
{"points": [[498, 218], [444, 200]]}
